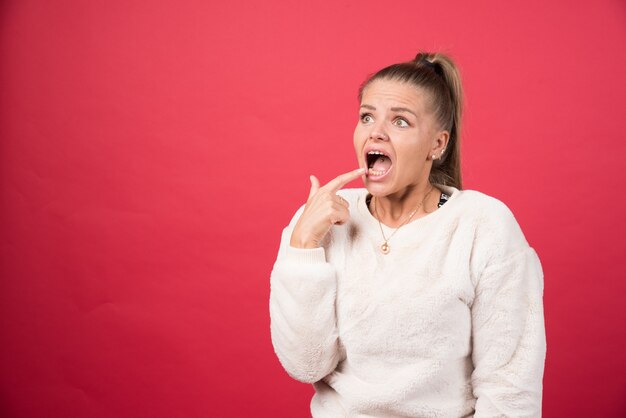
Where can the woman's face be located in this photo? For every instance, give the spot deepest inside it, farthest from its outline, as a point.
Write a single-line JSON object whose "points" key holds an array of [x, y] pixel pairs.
{"points": [[395, 136]]}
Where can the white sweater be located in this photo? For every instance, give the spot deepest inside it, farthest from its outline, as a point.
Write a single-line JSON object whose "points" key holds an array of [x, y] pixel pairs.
{"points": [[448, 324]]}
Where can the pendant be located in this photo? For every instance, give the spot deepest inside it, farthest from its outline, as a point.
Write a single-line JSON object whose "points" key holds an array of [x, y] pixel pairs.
{"points": [[385, 248]]}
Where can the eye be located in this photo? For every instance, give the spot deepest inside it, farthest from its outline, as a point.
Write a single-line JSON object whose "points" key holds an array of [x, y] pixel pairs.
{"points": [[366, 118], [401, 122]]}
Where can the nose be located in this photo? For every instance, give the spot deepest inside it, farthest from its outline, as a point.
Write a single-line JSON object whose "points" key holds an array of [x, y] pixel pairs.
{"points": [[378, 133]]}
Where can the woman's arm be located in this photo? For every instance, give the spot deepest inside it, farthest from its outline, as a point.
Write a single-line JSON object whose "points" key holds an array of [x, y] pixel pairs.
{"points": [[508, 334], [303, 285], [302, 310]]}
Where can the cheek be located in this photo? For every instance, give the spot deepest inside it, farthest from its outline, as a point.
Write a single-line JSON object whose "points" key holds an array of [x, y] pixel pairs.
{"points": [[357, 138], [410, 154]]}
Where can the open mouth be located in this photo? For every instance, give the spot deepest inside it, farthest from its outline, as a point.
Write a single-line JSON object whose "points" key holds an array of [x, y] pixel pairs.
{"points": [[378, 163]]}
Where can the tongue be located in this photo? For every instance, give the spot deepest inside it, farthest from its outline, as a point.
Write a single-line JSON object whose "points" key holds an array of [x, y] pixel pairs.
{"points": [[381, 164]]}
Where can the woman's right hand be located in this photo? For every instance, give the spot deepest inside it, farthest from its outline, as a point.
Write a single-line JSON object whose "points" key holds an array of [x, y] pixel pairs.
{"points": [[323, 209]]}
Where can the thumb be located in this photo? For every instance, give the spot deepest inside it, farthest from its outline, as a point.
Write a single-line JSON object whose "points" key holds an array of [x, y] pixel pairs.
{"points": [[315, 185]]}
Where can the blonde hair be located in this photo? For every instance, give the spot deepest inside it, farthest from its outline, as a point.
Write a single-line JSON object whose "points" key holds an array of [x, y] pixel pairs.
{"points": [[437, 74]]}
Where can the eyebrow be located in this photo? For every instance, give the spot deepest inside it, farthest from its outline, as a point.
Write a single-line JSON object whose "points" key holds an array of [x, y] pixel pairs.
{"points": [[395, 109]]}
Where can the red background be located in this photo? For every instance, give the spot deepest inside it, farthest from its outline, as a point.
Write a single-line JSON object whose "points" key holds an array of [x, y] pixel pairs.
{"points": [[152, 151]]}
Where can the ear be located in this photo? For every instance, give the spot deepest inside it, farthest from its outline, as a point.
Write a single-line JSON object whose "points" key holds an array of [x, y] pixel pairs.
{"points": [[439, 144]]}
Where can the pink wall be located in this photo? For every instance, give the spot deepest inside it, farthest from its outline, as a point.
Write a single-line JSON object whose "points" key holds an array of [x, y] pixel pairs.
{"points": [[152, 151]]}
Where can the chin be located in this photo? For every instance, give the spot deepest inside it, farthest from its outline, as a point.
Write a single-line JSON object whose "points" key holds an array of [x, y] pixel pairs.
{"points": [[377, 189]]}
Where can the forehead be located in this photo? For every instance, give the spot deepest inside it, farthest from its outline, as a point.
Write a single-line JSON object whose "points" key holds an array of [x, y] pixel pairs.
{"points": [[392, 93]]}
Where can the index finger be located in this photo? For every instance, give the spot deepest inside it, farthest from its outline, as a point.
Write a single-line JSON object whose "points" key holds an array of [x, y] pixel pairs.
{"points": [[343, 179]]}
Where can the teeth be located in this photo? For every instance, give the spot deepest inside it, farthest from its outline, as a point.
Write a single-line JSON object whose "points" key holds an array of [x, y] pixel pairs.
{"points": [[375, 153], [376, 172]]}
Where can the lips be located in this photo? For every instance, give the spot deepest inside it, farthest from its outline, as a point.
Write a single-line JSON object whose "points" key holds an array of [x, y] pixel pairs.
{"points": [[378, 162]]}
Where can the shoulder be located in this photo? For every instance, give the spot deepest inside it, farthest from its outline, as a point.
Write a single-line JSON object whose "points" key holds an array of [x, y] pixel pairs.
{"points": [[357, 200], [496, 229], [482, 204], [479, 207], [353, 195]]}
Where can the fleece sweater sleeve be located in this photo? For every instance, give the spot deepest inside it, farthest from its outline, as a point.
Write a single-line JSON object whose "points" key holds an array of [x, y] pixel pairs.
{"points": [[302, 311], [508, 335]]}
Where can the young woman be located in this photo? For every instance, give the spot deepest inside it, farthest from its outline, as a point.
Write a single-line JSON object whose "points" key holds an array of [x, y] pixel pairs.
{"points": [[410, 297]]}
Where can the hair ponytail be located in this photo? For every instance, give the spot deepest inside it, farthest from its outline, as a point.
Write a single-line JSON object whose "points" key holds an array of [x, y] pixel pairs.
{"points": [[447, 169], [437, 74]]}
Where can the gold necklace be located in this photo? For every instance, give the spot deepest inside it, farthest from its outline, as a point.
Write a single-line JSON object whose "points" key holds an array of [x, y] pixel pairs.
{"points": [[384, 247]]}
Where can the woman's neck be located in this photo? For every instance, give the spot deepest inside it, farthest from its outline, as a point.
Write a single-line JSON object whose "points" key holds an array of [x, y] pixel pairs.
{"points": [[394, 209]]}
